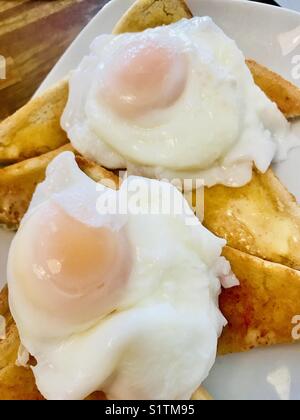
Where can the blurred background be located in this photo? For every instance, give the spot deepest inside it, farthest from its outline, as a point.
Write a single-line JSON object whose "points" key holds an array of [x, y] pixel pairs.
{"points": [[35, 33]]}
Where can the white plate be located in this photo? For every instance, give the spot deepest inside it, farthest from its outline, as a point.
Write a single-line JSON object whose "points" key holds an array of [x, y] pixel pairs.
{"points": [[266, 373], [290, 4]]}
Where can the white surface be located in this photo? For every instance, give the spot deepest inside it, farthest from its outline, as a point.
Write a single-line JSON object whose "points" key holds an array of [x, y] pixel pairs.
{"points": [[261, 374], [290, 4]]}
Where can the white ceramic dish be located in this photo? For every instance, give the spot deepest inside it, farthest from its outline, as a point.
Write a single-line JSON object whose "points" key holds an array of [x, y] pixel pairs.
{"points": [[259, 31], [290, 4]]}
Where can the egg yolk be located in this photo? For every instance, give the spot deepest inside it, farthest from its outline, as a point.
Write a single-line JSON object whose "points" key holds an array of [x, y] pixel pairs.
{"points": [[75, 269], [76, 257], [143, 78]]}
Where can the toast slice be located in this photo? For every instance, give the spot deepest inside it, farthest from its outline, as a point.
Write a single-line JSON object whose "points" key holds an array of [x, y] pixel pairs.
{"points": [[145, 14], [262, 310], [34, 129], [16, 383], [283, 93], [18, 183], [262, 218], [9, 346]]}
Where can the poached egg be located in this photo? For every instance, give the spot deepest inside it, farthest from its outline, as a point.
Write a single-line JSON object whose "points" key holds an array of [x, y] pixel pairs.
{"points": [[112, 293], [176, 101]]}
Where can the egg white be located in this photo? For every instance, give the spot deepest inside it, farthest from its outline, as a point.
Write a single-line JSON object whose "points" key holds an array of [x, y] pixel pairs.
{"points": [[221, 124], [161, 340]]}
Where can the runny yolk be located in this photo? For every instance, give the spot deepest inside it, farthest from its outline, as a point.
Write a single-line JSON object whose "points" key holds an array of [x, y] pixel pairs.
{"points": [[143, 78]]}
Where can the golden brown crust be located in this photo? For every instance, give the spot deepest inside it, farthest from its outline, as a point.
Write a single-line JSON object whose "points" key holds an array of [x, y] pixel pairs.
{"points": [[261, 309], [34, 129], [8, 347], [97, 172], [283, 93], [262, 218], [18, 182], [17, 384], [201, 395], [145, 14], [4, 302]]}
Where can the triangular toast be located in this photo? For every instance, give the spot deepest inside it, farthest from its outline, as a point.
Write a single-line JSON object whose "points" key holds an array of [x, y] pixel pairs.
{"points": [[35, 128], [261, 218], [145, 14], [265, 308], [282, 92]]}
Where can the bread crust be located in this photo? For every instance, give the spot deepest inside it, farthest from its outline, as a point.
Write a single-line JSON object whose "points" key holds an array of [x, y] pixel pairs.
{"points": [[145, 14], [281, 91], [261, 218], [35, 128], [19, 181], [261, 310]]}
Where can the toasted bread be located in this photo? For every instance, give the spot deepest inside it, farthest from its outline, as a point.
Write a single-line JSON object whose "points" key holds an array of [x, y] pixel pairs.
{"points": [[18, 182], [16, 383], [145, 14], [262, 218], [9, 346], [34, 129], [283, 93], [202, 395], [260, 311]]}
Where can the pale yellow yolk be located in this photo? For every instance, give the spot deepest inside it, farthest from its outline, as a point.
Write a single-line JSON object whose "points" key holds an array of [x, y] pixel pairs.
{"points": [[75, 269], [143, 78], [78, 258]]}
